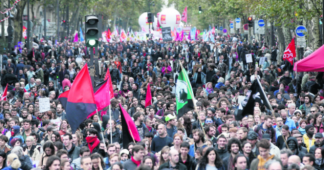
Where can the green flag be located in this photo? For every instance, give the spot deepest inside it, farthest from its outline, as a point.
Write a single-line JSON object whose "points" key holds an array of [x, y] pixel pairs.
{"points": [[184, 94]]}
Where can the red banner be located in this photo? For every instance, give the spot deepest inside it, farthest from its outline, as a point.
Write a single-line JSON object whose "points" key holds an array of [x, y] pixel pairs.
{"points": [[290, 52]]}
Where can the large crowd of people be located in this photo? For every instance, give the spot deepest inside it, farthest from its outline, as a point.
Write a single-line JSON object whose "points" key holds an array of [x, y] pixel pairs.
{"points": [[208, 137]]}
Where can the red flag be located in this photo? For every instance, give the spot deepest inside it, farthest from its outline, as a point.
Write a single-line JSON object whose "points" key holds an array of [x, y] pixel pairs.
{"points": [[119, 66], [108, 78], [290, 52], [108, 34], [102, 98], [213, 31], [184, 15], [129, 132], [4, 95], [148, 99], [80, 102]]}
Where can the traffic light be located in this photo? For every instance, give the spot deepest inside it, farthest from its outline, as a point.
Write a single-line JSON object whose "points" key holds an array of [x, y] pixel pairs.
{"points": [[199, 9], [150, 18], [250, 21], [91, 30]]}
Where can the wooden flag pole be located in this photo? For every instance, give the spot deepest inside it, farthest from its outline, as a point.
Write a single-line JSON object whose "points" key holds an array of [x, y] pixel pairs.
{"points": [[101, 131], [131, 133], [194, 103], [110, 124]]}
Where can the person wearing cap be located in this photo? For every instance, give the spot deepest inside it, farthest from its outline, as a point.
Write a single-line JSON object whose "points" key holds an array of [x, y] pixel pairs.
{"points": [[252, 138], [170, 126], [308, 137], [318, 142], [265, 155], [123, 154]]}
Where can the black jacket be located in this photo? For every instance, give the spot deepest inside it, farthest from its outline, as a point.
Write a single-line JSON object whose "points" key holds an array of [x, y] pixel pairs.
{"points": [[10, 79], [116, 136], [26, 163], [190, 162], [222, 153], [74, 152], [179, 166]]}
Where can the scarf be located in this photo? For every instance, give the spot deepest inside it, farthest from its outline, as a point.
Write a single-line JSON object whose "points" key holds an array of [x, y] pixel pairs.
{"points": [[263, 161], [135, 161], [95, 142]]}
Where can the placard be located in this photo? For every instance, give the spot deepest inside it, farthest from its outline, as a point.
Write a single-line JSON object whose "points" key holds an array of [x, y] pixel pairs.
{"points": [[166, 34], [248, 58], [44, 105], [261, 61]]}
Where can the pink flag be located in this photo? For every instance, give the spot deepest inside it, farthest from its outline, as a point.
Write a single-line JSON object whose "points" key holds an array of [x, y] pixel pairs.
{"points": [[196, 37], [76, 38], [189, 38], [181, 38], [213, 31], [148, 100], [184, 15], [102, 97]]}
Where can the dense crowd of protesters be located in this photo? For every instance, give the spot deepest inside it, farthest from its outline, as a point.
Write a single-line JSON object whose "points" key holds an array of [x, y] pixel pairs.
{"points": [[290, 137]]}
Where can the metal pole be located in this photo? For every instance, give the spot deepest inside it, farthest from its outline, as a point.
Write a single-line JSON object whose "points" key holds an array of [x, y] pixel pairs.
{"points": [[68, 21], [323, 21], [44, 22], [58, 20], [110, 123], [28, 27], [9, 26], [3, 38]]}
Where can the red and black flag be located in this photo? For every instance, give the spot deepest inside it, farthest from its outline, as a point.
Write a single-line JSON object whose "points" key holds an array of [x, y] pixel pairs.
{"points": [[80, 101], [63, 98], [130, 132]]}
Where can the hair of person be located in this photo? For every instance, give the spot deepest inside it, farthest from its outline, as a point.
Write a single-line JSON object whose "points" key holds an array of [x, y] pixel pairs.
{"points": [[61, 152], [310, 156], [307, 167], [204, 160], [270, 162], [63, 163], [130, 144], [18, 150], [113, 155], [286, 151], [4, 138], [200, 134], [14, 161], [286, 127], [165, 149], [208, 128], [315, 118], [58, 145], [50, 145], [69, 135], [293, 167], [264, 143], [98, 156], [83, 158], [238, 156], [92, 131], [117, 163], [50, 161], [84, 149], [148, 157], [233, 141], [137, 115], [185, 145], [178, 135], [137, 148], [322, 151]]}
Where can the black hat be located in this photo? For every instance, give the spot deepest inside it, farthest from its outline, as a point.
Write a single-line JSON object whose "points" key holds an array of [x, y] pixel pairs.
{"points": [[252, 135], [308, 127], [266, 136], [319, 135]]}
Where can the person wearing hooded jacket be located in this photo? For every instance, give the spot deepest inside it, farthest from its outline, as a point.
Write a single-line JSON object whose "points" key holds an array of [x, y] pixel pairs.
{"points": [[15, 133], [293, 146]]}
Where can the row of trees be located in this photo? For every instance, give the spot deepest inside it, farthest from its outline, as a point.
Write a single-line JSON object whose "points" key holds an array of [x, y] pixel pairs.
{"points": [[284, 14]]}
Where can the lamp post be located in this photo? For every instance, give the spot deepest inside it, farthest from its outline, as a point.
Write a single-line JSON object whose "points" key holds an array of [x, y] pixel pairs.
{"points": [[28, 26]]}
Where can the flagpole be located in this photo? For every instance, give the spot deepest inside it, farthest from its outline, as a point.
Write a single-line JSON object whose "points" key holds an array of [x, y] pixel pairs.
{"points": [[194, 103], [101, 130], [110, 124]]}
